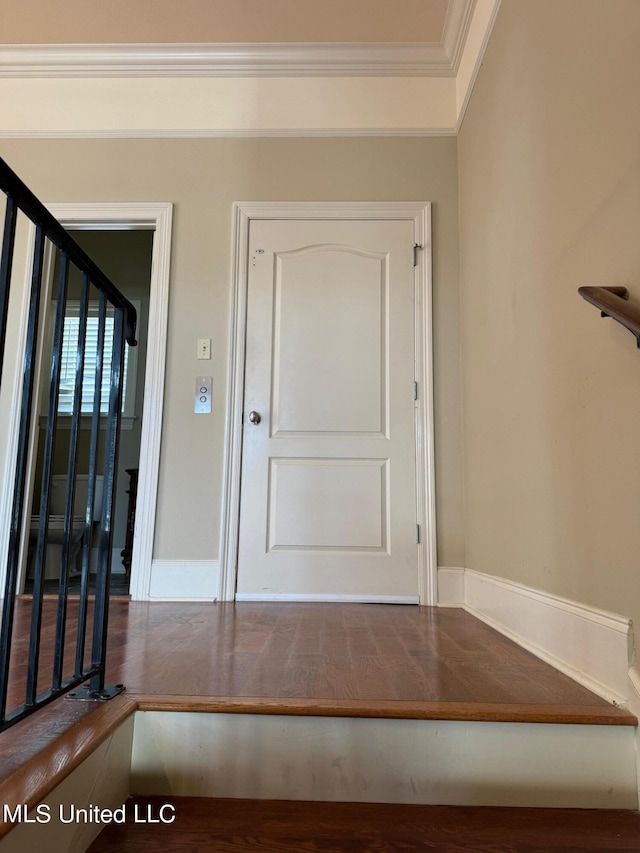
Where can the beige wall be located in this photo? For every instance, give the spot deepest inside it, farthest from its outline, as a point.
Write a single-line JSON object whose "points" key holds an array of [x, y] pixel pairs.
{"points": [[549, 171], [202, 178]]}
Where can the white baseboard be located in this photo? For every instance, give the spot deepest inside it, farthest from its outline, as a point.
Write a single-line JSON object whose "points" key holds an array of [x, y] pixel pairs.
{"points": [[450, 586], [591, 646], [170, 579], [634, 707], [634, 689], [347, 599]]}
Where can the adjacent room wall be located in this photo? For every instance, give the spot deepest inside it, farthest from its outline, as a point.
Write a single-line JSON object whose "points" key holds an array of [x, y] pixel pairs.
{"points": [[202, 178], [549, 172]]}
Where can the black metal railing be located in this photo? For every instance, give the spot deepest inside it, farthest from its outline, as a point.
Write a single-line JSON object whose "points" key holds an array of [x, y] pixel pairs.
{"points": [[76, 646]]}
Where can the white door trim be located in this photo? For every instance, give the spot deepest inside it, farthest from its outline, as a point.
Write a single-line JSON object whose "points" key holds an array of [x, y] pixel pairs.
{"points": [[420, 214], [148, 216]]}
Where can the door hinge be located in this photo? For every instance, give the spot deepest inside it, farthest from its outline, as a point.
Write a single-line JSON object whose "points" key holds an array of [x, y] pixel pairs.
{"points": [[415, 390], [416, 249], [417, 534]]}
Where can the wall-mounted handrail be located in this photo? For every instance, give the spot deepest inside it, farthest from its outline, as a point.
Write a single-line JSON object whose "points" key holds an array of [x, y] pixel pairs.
{"points": [[612, 302]]}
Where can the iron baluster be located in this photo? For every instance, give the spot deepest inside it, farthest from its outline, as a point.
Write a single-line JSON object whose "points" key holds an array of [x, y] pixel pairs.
{"points": [[103, 577], [63, 585], [91, 489]]}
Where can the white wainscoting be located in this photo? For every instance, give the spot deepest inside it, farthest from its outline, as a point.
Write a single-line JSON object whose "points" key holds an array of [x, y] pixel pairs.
{"points": [[592, 646], [170, 579]]}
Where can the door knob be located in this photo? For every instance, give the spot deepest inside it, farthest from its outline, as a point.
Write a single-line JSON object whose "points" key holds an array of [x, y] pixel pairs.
{"points": [[255, 418]]}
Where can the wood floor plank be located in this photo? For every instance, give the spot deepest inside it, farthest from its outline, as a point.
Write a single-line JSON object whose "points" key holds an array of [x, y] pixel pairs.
{"points": [[247, 826]]}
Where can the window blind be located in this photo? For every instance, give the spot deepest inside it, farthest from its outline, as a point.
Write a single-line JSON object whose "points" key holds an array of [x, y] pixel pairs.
{"points": [[69, 357]]}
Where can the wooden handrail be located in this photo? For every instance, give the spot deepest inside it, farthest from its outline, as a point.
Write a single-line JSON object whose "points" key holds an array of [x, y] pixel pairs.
{"points": [[612, 302]]}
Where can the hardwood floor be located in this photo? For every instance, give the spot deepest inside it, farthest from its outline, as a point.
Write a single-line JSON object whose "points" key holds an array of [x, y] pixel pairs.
{"points": [[248, 826], [341, 659], [317, 659], [328, 652]]}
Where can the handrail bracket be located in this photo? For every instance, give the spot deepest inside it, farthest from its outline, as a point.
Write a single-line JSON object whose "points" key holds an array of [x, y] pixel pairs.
{"points": [[613, 302]]}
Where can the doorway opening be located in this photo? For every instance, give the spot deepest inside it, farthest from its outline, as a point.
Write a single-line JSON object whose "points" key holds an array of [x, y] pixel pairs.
{"points": [[156, 219], [125, 256]]}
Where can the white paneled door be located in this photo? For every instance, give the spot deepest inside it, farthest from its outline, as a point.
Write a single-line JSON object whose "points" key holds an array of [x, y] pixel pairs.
{"points": [[328, 494]]}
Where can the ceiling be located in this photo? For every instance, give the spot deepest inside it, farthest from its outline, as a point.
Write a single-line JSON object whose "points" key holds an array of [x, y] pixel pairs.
{"points": [[222, 21]]}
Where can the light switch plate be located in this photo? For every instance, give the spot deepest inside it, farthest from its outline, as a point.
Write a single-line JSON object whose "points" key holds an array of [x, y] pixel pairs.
{"points": [[204, 392], [204, 348]]}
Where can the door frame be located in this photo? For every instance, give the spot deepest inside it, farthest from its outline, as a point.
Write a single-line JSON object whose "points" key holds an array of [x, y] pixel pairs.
{"points": [[418, 212], [104, 216]]}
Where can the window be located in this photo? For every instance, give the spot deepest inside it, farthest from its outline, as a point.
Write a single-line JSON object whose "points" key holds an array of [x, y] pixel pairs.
{"points": [[68, 362]]}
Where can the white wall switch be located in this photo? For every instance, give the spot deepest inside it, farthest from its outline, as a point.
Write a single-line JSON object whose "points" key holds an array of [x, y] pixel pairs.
{"points": [[204, 348], [204, 392]]}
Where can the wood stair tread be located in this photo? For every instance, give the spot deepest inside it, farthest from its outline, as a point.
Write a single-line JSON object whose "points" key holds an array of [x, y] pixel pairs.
{"points": [[500, 712], [247, 826]]}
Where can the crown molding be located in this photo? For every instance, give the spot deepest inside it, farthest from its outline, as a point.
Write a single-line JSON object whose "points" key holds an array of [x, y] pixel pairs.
{"points": [[215, 133], [431, 85], [233, 60], [479, 29], [456, 27], [302, 59]]}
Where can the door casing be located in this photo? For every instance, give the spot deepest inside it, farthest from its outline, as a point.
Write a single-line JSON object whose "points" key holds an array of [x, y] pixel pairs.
{"points": [[420, 214]]}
